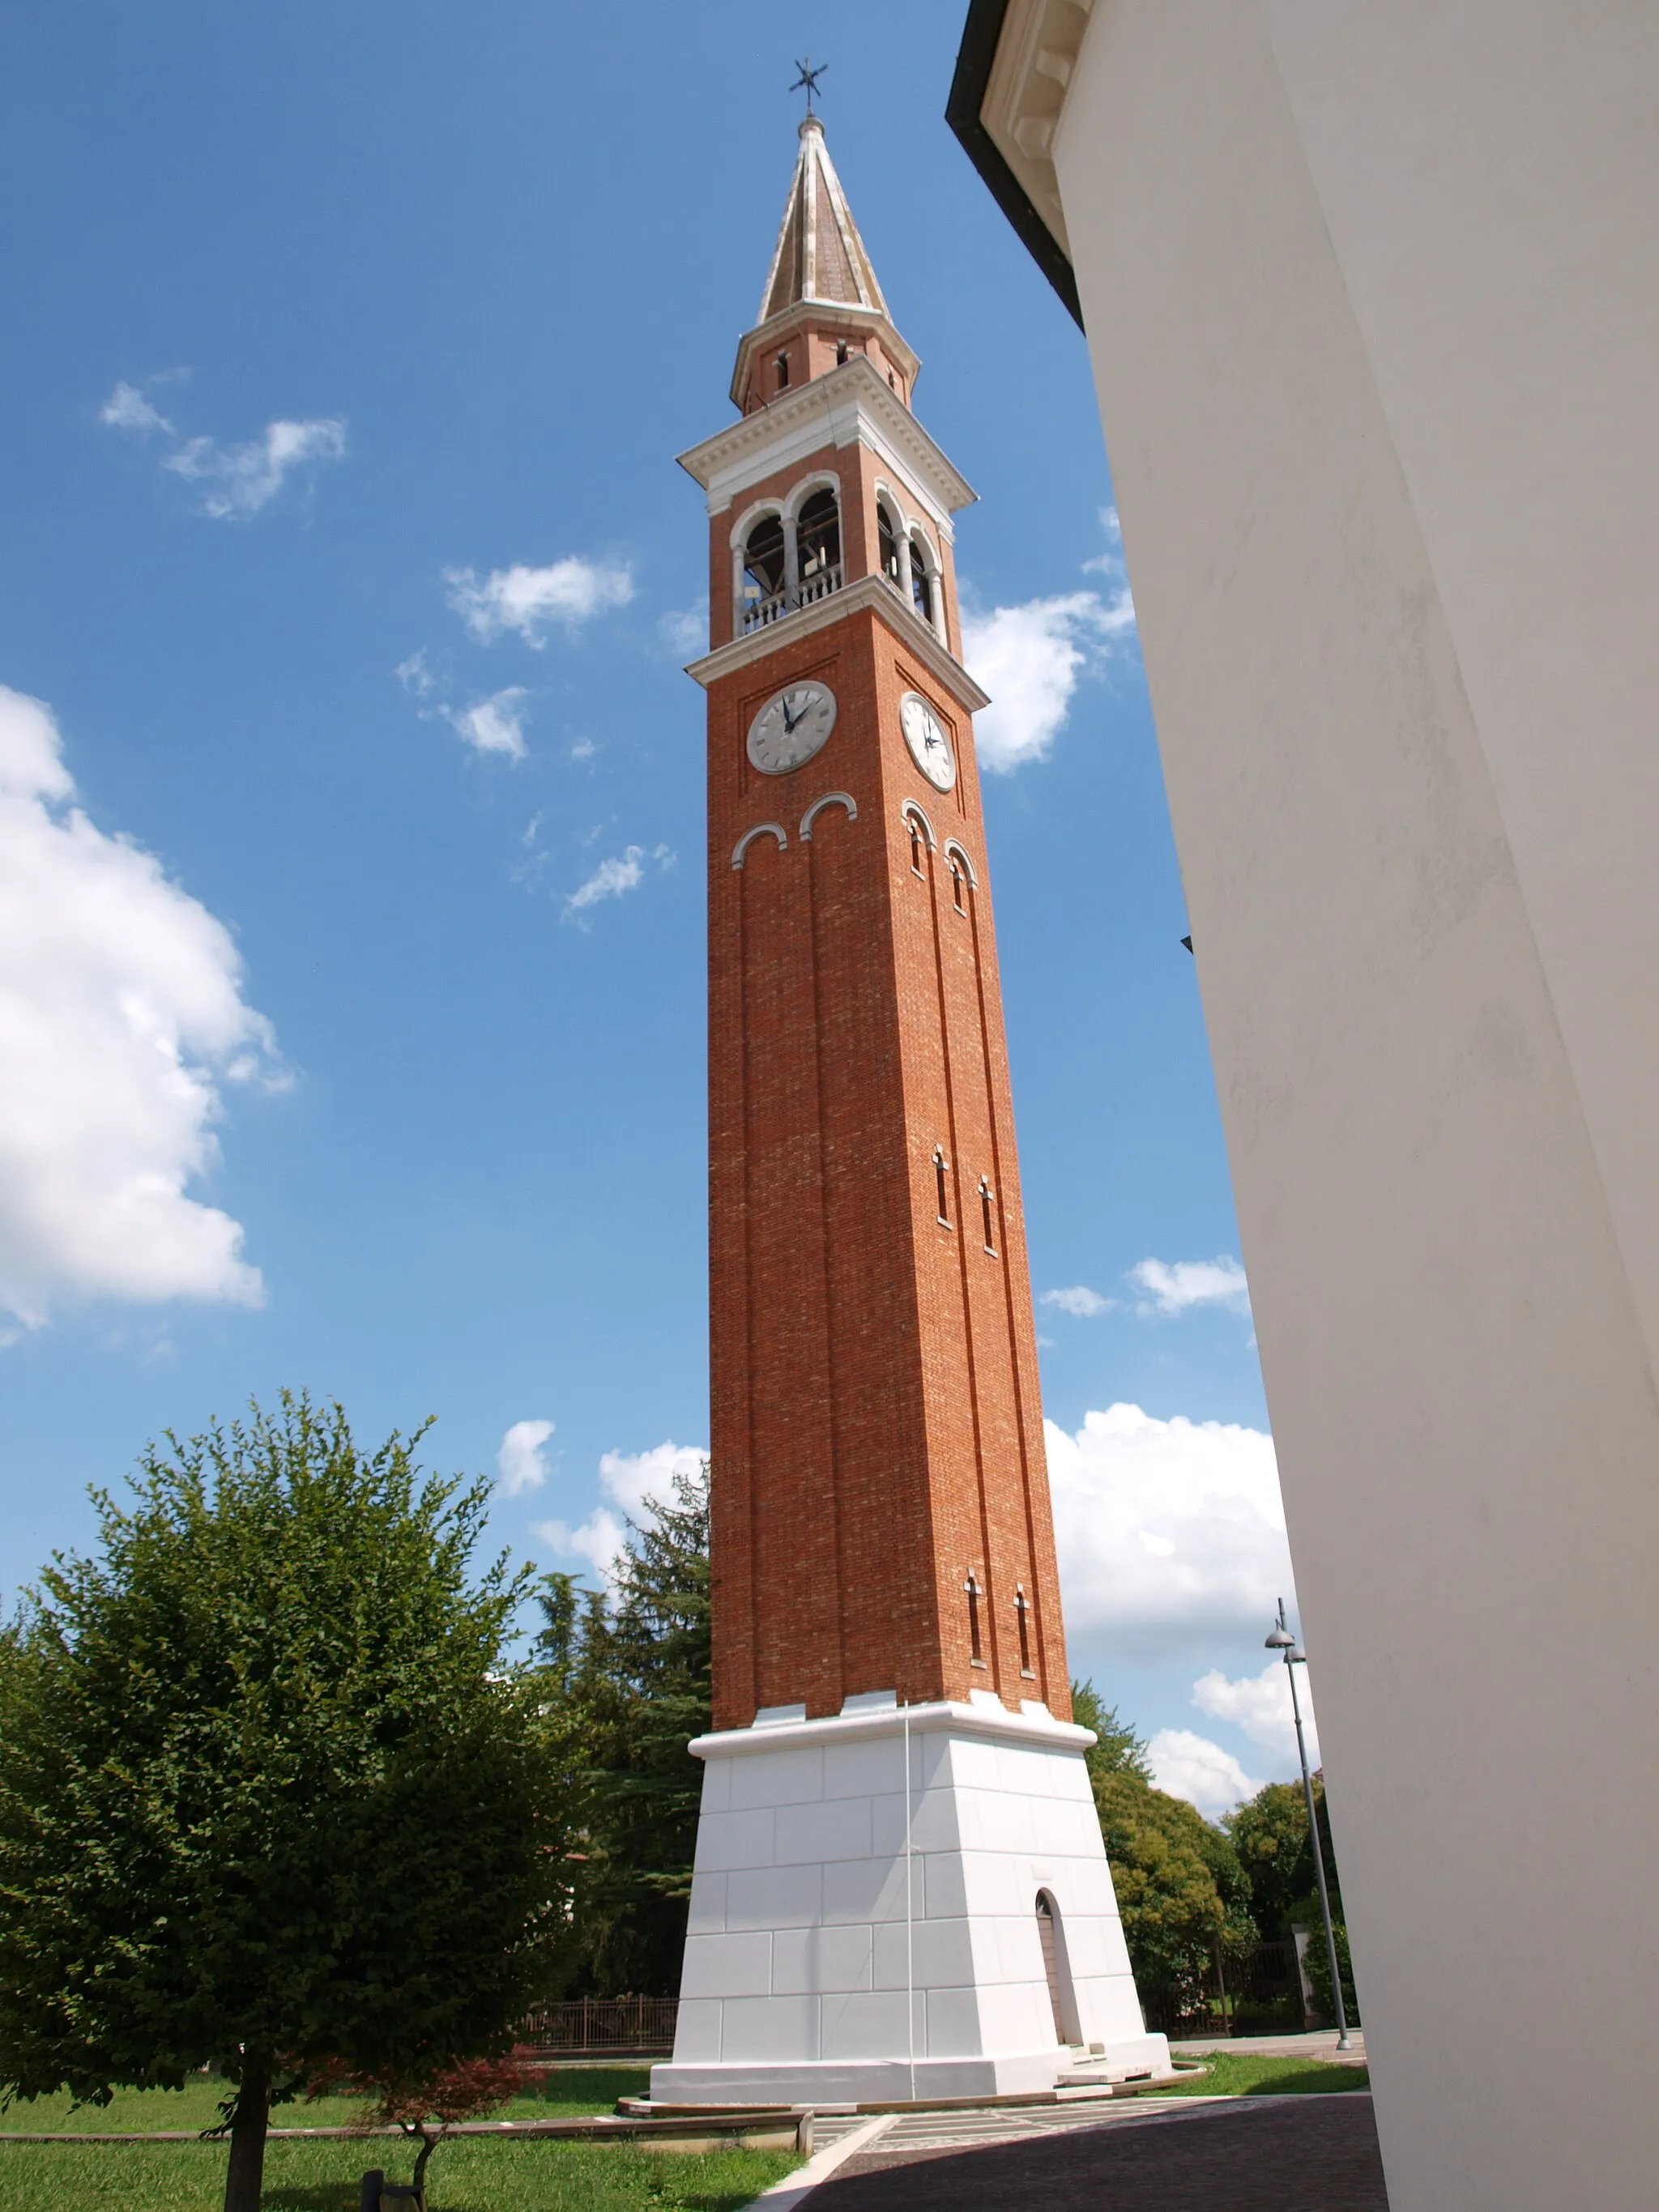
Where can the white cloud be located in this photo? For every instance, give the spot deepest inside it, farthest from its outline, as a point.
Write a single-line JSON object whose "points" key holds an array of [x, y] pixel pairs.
{"points": [[417, 677], [127, 409], [1172, 1534], [612, 878], [1259, 1705], [529, 600], [583, 749], [1175, 1287], [1030, 657], [686, 628], [630, 1484], [519, 1463], [1079, 1301], [494, 724], [121, 1015], [1192, 1767], [242, 479]]}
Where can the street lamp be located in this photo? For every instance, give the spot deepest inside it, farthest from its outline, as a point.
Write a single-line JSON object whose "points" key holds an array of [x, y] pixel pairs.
{"points": [[1280, 1639]]}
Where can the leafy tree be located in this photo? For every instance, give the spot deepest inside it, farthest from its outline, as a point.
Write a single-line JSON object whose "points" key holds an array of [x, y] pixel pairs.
{"points": [[1270, 1835], [269, 1794], [1319, 1968], [632, 1678], [1117, 1748], [426, 2108], [1180, 1888]]}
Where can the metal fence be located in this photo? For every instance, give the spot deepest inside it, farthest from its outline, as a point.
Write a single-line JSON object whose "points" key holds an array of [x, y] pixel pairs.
{"points": [[1249, 1993], [636, 2027], [1252, 1992]]}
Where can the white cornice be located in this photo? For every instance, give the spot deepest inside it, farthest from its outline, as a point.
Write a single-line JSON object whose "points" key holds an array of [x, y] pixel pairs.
{"points": [[874, 591], [995, 1722], [853, 404], [1025, 95]]}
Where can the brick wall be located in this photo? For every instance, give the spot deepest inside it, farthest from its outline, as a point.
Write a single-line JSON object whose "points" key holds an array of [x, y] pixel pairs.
{"points": [[877, 1430]]}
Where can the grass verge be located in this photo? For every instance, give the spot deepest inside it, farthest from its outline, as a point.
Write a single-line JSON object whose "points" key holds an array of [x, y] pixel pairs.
{"points": [[1244, 2073]]}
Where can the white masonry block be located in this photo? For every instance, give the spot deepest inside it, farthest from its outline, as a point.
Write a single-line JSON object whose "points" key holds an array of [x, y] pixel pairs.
{"points": [[865, 1914]]}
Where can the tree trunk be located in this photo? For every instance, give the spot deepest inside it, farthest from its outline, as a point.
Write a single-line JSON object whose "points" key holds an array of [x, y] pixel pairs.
{"points": [[246, 2171], [429, 2144]]}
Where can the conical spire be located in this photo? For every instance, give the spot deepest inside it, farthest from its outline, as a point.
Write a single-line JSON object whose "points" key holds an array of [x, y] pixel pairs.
{"points": [[819, 254]]}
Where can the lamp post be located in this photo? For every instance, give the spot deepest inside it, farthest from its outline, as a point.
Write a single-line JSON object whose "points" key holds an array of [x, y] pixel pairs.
{"points": [[1280, 1639]]}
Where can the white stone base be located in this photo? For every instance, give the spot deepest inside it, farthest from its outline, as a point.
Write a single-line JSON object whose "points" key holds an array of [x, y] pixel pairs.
{"points": [[824, 1963]]}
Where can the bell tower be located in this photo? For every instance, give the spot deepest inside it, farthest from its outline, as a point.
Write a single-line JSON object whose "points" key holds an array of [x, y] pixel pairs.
{"points": [[900, 1887]]}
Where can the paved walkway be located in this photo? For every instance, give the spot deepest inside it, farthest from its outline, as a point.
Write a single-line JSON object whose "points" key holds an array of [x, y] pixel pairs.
{"points": [[1256, 2154], [1317, 2043]]}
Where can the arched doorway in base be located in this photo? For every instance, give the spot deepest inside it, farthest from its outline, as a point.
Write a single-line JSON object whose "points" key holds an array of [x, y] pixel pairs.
{"points": [[1062, 1999]]}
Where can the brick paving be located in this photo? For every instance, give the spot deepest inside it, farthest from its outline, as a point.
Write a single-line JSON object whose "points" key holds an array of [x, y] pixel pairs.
{"points": [[1261, 2154]]}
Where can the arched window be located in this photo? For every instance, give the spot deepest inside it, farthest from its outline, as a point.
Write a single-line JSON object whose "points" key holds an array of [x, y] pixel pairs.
{"points": [[959, 885], [783, 372], [922, 584], [887, 541], [817, 538], [762, 573], [841, 353], [916, 847]]}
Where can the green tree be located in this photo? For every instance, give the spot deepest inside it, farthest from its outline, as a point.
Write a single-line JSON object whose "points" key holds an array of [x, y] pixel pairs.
{"points": [[1116, 1749], [270, 1794], [1180, 1888], [632, 1678], [1270, 1835]]}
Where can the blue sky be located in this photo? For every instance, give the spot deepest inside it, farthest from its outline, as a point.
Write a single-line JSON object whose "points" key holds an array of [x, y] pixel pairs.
{"points": [[321, 322]]}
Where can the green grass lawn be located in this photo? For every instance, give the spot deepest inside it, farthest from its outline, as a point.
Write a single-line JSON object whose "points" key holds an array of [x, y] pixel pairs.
{"points": [[468, 2175], [1245, 2073]]}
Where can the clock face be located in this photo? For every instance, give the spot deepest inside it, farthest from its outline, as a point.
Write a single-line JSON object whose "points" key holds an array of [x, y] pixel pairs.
{"points": [[791, 727], [930, 747]]}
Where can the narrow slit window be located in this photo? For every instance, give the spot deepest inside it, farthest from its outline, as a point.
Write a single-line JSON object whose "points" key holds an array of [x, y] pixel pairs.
{"points": [[1021, 1612], [971, 1586], [916, 868], [783, 372], [957, 886], [941, 1169], [987, 1212], [841, 353]]}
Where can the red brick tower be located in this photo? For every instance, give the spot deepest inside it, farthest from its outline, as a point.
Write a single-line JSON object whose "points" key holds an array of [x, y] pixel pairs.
{"points": [[881, 1502], [900, 1888]]}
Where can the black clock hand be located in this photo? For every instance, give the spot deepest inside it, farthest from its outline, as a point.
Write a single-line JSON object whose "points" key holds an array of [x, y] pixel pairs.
{"points": [[789, 723]]}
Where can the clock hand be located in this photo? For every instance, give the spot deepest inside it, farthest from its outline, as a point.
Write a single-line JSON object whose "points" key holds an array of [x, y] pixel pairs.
{"points": [[789, 721]]}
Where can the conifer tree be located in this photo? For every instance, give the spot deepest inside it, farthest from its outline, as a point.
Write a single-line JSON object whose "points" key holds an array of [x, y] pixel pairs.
{"points": [[632, 1673]]}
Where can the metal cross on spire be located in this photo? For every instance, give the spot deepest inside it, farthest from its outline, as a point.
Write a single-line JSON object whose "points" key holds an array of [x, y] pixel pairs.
{"points": [[809, 77]]}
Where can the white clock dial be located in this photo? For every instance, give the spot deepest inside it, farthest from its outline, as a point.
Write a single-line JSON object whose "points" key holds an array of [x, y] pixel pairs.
{"points": [[791, 727], [930, 746]]}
